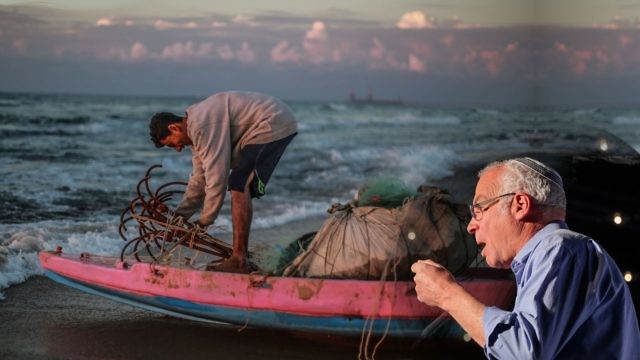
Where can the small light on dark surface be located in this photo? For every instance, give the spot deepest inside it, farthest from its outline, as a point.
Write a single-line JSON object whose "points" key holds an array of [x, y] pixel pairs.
{"points": [[603, 145], [628, 276], [617, 218]]}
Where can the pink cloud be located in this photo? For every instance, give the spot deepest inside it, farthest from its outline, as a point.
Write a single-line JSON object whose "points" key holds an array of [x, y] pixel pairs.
{"points": [[493, 61], [245, 54], [377, 51], [511, 47], [138, 51], [282, 53], [416, 65], [415, 20], [318, 31], [19, 46], [448, 40], [105, 21], [178, 51], [225, 52], [624, 40], [579, 60], [560, 47], [244, 20]]}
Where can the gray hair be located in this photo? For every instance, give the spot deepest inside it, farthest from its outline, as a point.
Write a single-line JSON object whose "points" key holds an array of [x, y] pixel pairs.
{"points": [[538, 180]]}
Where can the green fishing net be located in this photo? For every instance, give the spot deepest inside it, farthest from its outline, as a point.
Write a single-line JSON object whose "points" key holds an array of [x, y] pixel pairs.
{"points": [[387, 192]]}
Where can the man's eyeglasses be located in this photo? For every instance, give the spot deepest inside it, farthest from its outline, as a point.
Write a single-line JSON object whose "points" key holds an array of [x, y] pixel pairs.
{"points": [[478, 209]]}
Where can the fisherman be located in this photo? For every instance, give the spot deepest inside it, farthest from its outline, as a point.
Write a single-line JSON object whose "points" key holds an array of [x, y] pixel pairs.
{"points": [[571, 302], [236, 139]]}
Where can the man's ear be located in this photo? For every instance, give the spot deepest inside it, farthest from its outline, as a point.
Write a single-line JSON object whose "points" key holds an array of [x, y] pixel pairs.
{"points": [[174, 128], [521, 206]]}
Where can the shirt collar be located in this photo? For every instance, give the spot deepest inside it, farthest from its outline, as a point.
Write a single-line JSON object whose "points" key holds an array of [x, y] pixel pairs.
{"points": [[523, 255]]}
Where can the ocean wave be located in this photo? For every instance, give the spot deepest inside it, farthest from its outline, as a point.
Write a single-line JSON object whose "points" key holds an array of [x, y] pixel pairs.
{"points": [[22, 242], [626, 120], [286, 213], [16, 268], [43, 120], [16, 133], [64, 157], [432, 119]]}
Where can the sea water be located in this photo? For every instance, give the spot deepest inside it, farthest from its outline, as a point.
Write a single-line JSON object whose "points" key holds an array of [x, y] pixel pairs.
{"points": [[70, 164]]}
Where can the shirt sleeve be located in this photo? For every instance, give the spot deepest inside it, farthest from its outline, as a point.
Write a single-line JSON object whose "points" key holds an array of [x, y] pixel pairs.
{"points": [[213, 147], [194, 194], [547, 301]]}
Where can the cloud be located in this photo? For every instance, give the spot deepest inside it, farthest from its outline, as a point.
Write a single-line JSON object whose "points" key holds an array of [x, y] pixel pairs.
{"points": [[624, 40], [560, 47], [245, 54], [318, 31], [493, 61], [162, 24], [225, 52], [579, 61], [244, 20], [105, 21], [619, 22], [315, 43], [19, 46], [415, 64], [448, 40], [511, 47], [283, 53], [415, 20], [136, 53], [377, 51], [178, 51]]}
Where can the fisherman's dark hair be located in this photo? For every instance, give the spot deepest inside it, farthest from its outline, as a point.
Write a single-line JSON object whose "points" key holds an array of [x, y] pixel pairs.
{"points": [[159, 126]]}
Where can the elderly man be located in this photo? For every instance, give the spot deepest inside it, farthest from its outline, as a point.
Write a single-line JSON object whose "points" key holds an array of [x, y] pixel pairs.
{"points": [[236, 139], [571, 302]]}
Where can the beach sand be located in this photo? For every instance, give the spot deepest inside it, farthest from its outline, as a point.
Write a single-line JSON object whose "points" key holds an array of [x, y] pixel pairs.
{"points": [[41, 319]]}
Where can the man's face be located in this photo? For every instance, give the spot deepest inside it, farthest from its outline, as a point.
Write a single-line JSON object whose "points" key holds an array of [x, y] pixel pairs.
{"points": [[178, 137], [495, 230]]}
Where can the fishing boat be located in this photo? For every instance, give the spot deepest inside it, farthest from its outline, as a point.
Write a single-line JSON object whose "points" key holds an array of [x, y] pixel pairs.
{"points": [[335, 306]]}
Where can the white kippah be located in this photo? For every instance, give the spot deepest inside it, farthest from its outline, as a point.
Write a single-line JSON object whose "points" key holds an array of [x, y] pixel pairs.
{"points": [[542, 169]]}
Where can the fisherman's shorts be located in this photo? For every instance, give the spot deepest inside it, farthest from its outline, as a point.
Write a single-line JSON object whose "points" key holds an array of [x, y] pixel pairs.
{"points": [[260, 159]]}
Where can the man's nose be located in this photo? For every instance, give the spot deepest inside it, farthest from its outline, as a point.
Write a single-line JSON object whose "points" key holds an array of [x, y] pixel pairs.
{"points": [[473, 226]]}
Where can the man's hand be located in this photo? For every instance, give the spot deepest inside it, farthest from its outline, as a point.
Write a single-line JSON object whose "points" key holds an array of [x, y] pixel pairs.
{"points": [[433, 282], [199, 228], [177, 220]]}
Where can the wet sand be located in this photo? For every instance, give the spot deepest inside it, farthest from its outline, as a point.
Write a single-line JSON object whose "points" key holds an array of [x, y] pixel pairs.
{"points": [[41, 319]]}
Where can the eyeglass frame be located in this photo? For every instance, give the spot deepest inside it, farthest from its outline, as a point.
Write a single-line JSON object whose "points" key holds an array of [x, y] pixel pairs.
{"points": [[479, 206]]}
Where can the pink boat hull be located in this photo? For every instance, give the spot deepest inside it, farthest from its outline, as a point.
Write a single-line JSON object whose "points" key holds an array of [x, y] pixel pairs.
{"points": [[326, 305]]}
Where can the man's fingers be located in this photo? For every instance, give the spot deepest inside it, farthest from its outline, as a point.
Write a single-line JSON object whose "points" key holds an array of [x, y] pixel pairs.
{"points": [[422, 264]]}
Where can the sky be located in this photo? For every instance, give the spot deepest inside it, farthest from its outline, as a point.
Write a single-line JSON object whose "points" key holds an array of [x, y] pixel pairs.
{"points": [[440, 52]]}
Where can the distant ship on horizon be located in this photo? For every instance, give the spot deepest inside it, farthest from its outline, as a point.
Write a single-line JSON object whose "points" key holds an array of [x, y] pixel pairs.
{"points": [[370, 100]]}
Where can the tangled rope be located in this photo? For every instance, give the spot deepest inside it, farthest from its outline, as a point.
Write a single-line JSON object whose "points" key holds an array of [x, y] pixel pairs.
{"points": [[158, 234]]}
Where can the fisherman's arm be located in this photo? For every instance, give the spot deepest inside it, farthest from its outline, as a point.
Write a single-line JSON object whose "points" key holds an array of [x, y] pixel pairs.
{"points": [[214, 150], [194, 193]]}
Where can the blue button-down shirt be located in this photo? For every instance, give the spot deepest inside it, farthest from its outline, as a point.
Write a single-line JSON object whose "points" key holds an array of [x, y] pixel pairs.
{"points": [[572, 303]]}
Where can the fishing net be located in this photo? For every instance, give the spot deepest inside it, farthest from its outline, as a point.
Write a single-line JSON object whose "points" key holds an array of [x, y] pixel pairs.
{"points": [[369, 242], [384, 192]]}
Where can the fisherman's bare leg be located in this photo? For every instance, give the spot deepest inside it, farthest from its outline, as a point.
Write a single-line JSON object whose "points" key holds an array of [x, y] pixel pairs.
{"points": [[241, 217]]}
